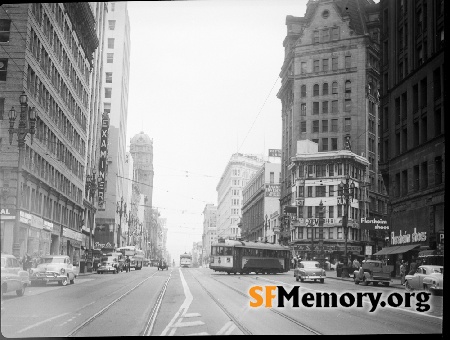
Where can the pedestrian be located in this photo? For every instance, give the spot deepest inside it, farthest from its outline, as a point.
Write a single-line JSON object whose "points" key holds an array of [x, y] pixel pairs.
{"points": [[402, 272], [412, 267], [356, 264], [127, 264]]}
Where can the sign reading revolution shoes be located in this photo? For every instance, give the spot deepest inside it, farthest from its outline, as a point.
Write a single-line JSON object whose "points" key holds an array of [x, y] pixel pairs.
{"points": [[103, 162]]}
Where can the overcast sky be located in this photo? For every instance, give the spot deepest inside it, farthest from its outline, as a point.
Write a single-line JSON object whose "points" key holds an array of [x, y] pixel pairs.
{"points": [[203, 83]]}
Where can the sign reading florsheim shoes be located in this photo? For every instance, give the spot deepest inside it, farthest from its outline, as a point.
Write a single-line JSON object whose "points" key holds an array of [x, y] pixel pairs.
{"points": [[374, 223]]}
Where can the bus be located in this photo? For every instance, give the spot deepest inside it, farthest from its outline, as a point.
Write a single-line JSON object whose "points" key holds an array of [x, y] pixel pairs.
{"points": [[241, 257], [136, 256], [185, 260]]}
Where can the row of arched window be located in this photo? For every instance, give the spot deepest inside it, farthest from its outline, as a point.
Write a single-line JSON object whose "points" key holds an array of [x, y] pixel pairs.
{"points": [[325, 88]]}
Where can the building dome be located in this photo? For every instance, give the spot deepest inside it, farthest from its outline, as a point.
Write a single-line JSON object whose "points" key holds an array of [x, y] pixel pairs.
{"points": [[141, 138]]}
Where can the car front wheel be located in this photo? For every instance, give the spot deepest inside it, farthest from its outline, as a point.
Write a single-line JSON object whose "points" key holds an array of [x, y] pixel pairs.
{"points": [[20, 292], [408, 286], [63, 282]]}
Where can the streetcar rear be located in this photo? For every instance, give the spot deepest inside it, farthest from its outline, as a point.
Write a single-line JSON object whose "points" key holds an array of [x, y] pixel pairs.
{"points": [[246, 257], [185, 260]]}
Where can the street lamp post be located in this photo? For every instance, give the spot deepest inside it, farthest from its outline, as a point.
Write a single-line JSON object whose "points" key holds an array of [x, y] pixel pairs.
{"points": [[91, 187], [321, 252], [121, 210], [22, 130], [346, 193]]}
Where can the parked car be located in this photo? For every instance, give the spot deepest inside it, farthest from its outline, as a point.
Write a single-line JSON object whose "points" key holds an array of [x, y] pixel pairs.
{"points": [[162, 265], [54, 268], [373, 271], [429, 278], [146, 262], [309, 270], [113, 263], [13, 277]]}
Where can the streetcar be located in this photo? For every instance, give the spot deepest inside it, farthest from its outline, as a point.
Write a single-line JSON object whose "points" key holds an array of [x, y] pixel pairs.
{"points": [[185, 260], [244, 257], [136, 256]]}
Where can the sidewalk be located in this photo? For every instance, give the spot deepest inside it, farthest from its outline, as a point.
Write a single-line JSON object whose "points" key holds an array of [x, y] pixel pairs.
{"points": [[331, 274]]}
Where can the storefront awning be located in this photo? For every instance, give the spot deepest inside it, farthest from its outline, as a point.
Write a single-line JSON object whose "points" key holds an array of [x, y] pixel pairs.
{"points": [[396, 249], [427, 253]]}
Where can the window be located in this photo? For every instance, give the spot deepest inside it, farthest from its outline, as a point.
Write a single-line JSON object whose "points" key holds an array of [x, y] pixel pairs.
{"points": [[334, 87], [109, 57], [110, 42], [107, 107], [325, 107], [5, 27], [404, 105], [404, 182], [108, 91], [309, 192], [438, 170], [316, 37], [303, 127], [320, 192], [335, 33], [303, 109], [3, 68], [424, 128], [348, 61], [348, 86], [315, 108], [437, 83], [347, 124], [326, 35], [437, 121], [334, 64], [334, 106], [334, 144], [324, 144], [303, 91], [315, 127], [324, 125], [316, 66], [424, 175], [416, 133], [303, 67], [347, 105], [423, 93], [109, 77], [112, 24], [272, 177], [113, 6], [324, 64], [334, 125], [325, 89], [415, 98], [315, 90]]}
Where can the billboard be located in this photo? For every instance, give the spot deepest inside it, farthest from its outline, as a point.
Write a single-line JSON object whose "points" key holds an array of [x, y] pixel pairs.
{"points": [[103, 162], [274, 153], [273, 190]]}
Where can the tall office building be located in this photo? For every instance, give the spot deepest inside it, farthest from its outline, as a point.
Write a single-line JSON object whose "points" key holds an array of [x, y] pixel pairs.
{"points": [[141, 149], [46, 54], [329, 91], [209, 234], [413, 121], [99, 9], [237, 173], [116, 68]]}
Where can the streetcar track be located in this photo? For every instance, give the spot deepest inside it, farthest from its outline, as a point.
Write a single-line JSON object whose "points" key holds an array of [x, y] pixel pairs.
{"points": [[221, 306], [104, 309], [283, 315], [151, 321]]}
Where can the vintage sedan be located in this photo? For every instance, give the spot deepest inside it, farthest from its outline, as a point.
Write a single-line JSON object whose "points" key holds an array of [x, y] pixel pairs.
{"points": [[429, 278], [54, 268], [111, 263], [309, 270], [13, 277]]}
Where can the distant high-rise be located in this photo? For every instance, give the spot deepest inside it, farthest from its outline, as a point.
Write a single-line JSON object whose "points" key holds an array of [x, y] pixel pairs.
{"points": [[116, 68], [209, 234], [237, 173]]}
